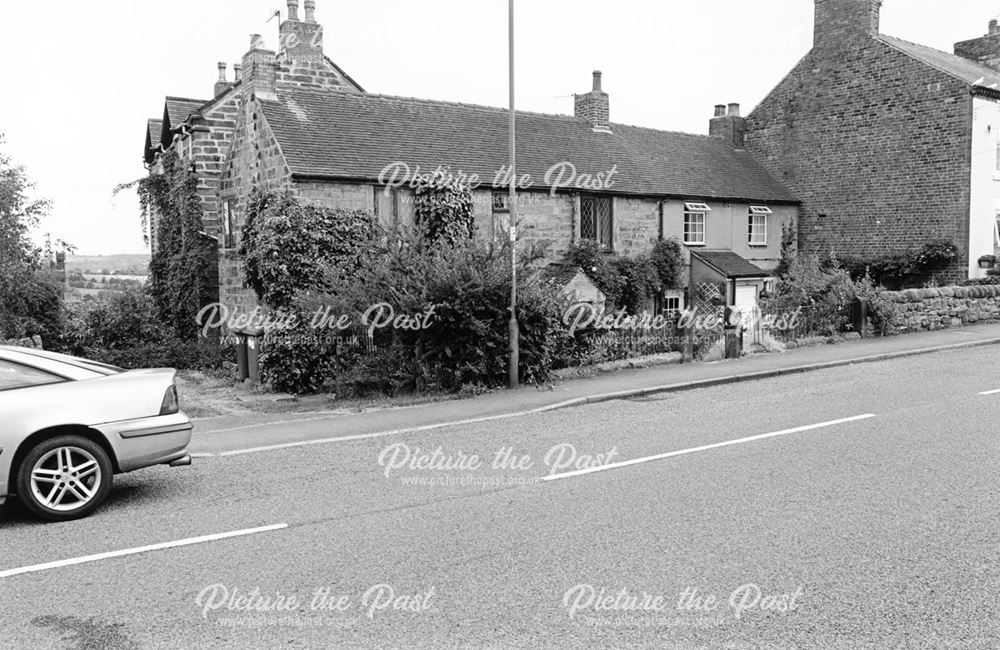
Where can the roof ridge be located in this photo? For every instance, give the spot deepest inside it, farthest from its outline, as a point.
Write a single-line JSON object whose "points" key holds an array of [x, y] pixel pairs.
{"points": [[188, 99], [486, 107], [984, 68]]}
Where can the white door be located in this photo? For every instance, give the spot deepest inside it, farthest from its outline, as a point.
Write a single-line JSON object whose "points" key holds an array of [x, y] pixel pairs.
{"points": [[746, 302]]}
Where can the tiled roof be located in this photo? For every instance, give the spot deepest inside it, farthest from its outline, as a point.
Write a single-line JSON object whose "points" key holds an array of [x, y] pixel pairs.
{"points": [[968, 71], [177, 109], [154, 128], [730, 264], [559, 274], [352, 135]]}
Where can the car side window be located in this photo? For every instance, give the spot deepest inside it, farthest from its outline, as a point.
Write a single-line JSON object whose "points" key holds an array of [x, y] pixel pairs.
{"points": [[16, 375]]}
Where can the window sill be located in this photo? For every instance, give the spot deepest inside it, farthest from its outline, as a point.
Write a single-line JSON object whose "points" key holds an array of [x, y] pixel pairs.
{"points": [[757, 245], [695, 245]]}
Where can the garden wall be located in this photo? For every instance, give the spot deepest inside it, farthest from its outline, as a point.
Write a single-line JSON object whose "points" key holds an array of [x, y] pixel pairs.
{"points": [[932, 309]]}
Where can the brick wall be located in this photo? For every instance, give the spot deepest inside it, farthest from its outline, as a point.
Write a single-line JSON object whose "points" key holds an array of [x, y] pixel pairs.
{"points": [[875, 144]]}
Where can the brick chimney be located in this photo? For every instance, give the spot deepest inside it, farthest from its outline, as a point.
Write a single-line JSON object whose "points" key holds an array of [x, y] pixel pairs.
{"points": [[259, 69], [985, 49], [728, 125], [841, 23], [594, 106], [301, 40], [222, 85]]}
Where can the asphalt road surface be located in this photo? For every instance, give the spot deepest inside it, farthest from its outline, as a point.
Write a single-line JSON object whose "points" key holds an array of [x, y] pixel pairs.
{"points": [[848, 508]]}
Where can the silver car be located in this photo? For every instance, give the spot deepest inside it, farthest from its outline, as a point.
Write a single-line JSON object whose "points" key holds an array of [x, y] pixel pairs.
{"points": [[67, 425]]}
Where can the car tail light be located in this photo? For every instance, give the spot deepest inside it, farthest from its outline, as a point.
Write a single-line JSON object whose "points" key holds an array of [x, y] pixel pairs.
{"points": [[170, 404]]}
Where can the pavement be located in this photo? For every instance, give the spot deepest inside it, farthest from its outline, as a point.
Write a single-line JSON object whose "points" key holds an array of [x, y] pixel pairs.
{"points": [[850, 508], [239, 434]]}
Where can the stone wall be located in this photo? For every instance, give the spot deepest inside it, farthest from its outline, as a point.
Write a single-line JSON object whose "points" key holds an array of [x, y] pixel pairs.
{"points": [[923, 310]]}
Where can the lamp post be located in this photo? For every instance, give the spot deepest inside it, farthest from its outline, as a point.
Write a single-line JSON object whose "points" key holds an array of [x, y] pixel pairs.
{"points": [[513, 330]]}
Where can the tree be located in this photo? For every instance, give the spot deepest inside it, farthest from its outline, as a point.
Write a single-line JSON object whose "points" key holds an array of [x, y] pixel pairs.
{"points": [[30, 297]]}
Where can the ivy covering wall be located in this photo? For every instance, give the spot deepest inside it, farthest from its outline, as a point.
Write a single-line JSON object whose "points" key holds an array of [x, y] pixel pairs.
{"points": [[181, 270]]}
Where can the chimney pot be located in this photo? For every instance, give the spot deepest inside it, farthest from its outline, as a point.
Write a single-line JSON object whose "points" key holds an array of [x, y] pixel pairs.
{"points": [[293, 9], [734, 110], [222, 71], [310, 11], [597, 80], [256, 42], [994, 28], [720, 110], [238, 71]]}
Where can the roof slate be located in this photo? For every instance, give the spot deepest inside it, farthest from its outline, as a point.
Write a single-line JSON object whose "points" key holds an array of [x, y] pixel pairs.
{"points": [[154, 128], [355, 136], [969, 71], [730, 264], [179, 108]]}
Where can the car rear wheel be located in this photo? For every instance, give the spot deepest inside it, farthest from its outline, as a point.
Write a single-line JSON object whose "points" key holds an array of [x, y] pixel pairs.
{"points": [[64, 478]]}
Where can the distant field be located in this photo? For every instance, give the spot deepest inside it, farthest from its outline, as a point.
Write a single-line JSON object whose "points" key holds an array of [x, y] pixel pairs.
{"points": [[128, 264]]}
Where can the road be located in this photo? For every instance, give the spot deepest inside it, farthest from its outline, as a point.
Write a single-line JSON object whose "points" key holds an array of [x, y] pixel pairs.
{"points": [[846, 508]]}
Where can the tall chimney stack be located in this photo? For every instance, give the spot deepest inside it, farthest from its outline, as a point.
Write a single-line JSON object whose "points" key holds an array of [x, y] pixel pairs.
{"points": [[728, 125], [984, 50], [842, 24], [301, 41], [595, 106], [259, 70], [222, 85]]}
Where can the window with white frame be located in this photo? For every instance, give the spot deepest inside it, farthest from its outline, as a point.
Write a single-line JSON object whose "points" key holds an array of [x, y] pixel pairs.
{"points": [[757, 226], [694, 223]]}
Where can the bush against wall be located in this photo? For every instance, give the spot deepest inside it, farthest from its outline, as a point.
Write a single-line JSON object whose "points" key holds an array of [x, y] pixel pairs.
{"points": [[904, 270], [289, 247], [443, 208], [825, 292], [459, 295]]}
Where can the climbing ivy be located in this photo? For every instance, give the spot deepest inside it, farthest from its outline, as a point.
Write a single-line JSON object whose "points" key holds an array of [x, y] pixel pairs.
{"points": [[182, 257], [444, 208]]}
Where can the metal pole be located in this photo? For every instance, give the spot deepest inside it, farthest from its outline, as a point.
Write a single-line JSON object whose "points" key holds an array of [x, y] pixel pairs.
{"points": [[513, 330]]}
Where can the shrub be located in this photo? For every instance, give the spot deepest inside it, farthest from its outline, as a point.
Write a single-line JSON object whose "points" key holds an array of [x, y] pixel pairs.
{"points": [[443, 208], [125, 332], [825, 292], [599, 265], [904, 270], [289, 247], [667, 258], [640, 281], [464, 345], [881, 312]]}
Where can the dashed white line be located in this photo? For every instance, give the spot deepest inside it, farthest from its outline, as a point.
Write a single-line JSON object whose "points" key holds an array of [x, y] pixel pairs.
{"points": [[692, 450], [142, 549], [990, 392]]}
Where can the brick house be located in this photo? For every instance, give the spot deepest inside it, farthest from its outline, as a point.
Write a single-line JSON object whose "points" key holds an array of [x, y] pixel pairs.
{"points": [[888, 144], [293, 121]]}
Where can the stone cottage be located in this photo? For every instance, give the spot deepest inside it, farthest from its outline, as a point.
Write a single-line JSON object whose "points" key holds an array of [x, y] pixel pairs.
{"points": [[293, 121], [889, 144]]}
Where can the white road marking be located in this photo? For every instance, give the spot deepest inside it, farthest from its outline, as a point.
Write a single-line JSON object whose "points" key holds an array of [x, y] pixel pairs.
{"points": [[692, 450], [379, 434], [142, 549], [990, 392]]}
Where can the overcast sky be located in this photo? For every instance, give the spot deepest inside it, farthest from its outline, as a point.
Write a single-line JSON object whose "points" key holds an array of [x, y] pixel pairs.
{"points": [[81, 78]]}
